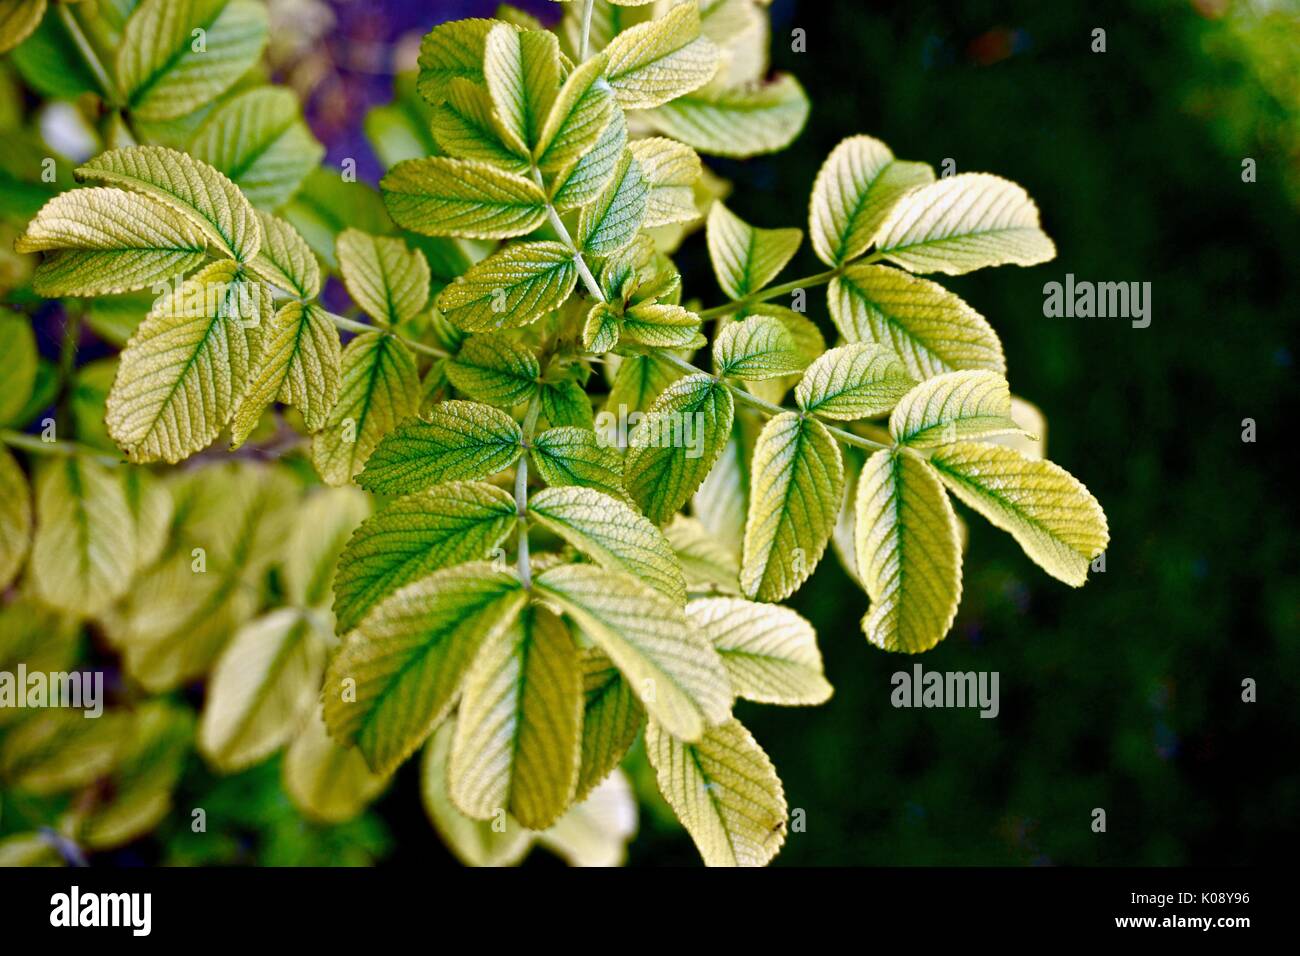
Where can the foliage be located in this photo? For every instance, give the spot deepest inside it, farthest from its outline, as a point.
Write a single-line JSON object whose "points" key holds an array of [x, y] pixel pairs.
{"points": [[352, 601]]}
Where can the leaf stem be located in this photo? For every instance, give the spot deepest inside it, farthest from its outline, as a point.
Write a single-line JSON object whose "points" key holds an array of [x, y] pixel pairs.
{"points": [[111, 93], [66, 449], [768, 408], [753, 298], [521, 492], [360, 328], [585, 47]]}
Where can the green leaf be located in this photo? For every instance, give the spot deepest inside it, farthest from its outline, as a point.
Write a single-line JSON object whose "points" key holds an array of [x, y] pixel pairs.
{"points": [[908, 553], [398, 672], [263, 687], [612, 221], [611, 719], [379, 387], [388, 280], [770, 652], [610, 533], [652, 63], [565, 404], [674, 672], [464, 128], [581, 182], [325, 522], [327, 782], [18, 364], [519, 727], [285, 260], [671, 169], [50, 62], [962, 223], [577, 118], [166, 70], [522, 71], [501, 842], [15, 517], [193, 188], [725, 791], [757, 348], [299, 364], [103, 241], [186, 368], [707, 563], [439, 196], [258, 139], [928, 327], [452, 51], [83, 554], [511, 288], [458, 441], [661, 326], [18, 18], [956, 406], [746, 259], [495, 369], [577, 457], [414, 536], [739, 122], [856, 188], [58, 750], [676, 444], [601, 330], [854, 381], [798, 477], [639, 381], [1047, 510]]}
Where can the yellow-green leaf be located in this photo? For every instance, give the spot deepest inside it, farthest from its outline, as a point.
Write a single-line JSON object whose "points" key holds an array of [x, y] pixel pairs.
{"points": [[495, 369], [770, 652], [725, 791], [298, 364], [797, 480], [676, 444], [856, 188], [451, 523], [519, 727], [327, 782], [612, 221], [19, 362], [325, 522], [439, 196], [187, 366], [708, 563], [955, 406], [962, 223], [386, 278], [908, 553], [464, 127], [167, 69], [671, 169], [611, 719], [59, 749], [652, 63], [452, 51], [193, 188], [675, 673], [285, 260], [103, 241], [457, 441], [739, 123], [1047, 510], [569, 456], [258, 139], [15, 517], [581, 182], [83, 555], [398, 672], [758, 348], [18, 18], [511, 288], [746, 259], [379, 387], [854, 381], [610, 533], [928, 327], [522, 71], [577, 118]]}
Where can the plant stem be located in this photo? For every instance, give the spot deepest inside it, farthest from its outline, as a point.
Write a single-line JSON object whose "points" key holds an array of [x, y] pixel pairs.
{"points": [[753, 298], [111, 94], [753, 401], [352, 325], [61, 447], [521, 492], [585, 46]]}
